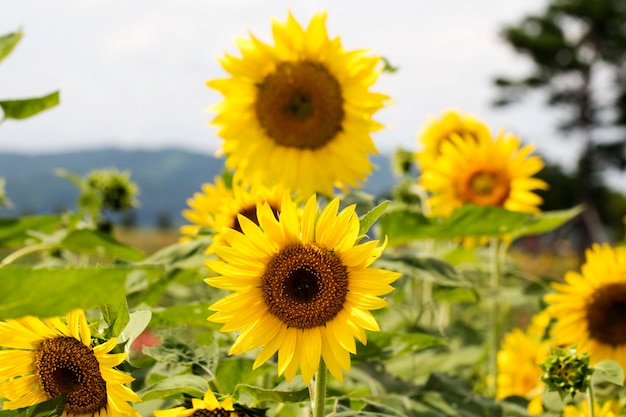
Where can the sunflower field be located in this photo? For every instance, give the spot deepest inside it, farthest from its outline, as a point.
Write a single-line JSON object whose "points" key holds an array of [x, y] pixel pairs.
{"points": [[290, 292]]}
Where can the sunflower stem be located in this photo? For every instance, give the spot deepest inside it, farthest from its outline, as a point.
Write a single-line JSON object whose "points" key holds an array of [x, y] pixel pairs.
{"points": [[493, 339], [319, 398], [591, 400], [12, 257]]}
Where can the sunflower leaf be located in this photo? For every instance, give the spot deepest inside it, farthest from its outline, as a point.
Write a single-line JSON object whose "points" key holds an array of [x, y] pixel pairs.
{"points": [[262, 394], [25, 108], [608, 371], [100, 244], [116, 316], [192, 385], [50, 408], [19, 232], [369, 218], [8, 42], [547, 221]]}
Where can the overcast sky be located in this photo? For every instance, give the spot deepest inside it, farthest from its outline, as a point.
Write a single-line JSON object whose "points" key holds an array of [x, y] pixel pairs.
{"points": [[132, 72]]}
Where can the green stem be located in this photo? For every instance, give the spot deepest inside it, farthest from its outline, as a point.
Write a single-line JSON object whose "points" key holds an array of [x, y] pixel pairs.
{"points": [[591, 400], [319, 398], [493, 337], [12, 257]]}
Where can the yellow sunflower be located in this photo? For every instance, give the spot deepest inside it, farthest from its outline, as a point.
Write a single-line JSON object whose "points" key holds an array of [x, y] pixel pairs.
{"points": [[437, 131], [485, 172], [299, 112], [303, 287], [590, 307], [219, 206], [198, 407], [519, 359], [610, 408], [43, 359]]}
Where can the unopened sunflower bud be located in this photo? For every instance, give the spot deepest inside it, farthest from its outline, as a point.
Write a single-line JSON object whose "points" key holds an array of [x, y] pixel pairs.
{"points": [[566, 373]]}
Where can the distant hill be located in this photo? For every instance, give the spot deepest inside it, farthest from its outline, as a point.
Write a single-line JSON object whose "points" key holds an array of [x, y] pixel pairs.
{"points": [[166, 178]]}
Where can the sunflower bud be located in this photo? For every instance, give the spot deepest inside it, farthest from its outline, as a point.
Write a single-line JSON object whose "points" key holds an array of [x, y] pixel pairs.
{"points": [[566, 373]]}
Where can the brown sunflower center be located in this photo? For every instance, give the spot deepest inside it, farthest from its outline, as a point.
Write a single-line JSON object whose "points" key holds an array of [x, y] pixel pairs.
{"points": [[64, 365], [485, 188], [218, 412], [606, 314], [250, 213], [300, 105], [305, 285]]}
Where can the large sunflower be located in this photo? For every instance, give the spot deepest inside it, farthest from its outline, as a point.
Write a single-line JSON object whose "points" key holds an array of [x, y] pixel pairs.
{"points": [[590, 307], [302, 287], [486, 172], [44, 359], [208, 406], [219, 206], [299, 112], [519, 359], [437, 131]]}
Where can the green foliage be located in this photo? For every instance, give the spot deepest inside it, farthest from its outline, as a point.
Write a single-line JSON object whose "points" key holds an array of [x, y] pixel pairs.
{"points": [[8, 42], [50, 408], [25, 108]]}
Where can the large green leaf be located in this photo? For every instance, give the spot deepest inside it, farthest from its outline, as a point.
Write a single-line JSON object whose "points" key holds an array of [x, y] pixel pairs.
{"points": [[18, 232], [52, 292], [100, 244], [261, 394], [25, 108], [547, 221], [50, 408], [369, 218], [608, 371], [195, 314], [8, 42], [191, 385]]}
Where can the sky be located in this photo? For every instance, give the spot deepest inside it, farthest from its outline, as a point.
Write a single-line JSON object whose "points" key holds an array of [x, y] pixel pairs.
{"points": [[132, 73]]}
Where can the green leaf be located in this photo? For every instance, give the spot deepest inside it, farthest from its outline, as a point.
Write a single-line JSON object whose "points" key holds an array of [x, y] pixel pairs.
{"points": [[608, 371], [191, 385], [386, 344], [116, 316], [100, 244], [8, 42], [261, 394], [50, 408], [547, 221], [25, 108], [369, 218], [45, 292], [195, 314], [18, 232]]}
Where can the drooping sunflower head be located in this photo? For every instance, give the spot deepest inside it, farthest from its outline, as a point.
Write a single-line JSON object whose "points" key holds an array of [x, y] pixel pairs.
{"points": [[438, 131], [486, 172], [590, 307], [218, 206], [44, 359], [519, 359], [299, 112], [302, 286], [209, 406]]}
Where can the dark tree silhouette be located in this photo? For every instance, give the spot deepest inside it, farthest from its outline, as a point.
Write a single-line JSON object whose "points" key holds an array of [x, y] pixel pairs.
{"points": [[578, 48]]}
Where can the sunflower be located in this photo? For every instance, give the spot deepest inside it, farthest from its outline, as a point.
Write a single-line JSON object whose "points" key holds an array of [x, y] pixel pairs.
{"points": [[610, 408], [43, 359], [519, 359], [437, 131], [485, 172], [590, 307], [219, 206], [209, 406], [303, 287], [299, 112]]}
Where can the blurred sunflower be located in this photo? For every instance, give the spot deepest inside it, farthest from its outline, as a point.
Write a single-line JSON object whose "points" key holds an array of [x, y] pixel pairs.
{"points": [[209, 406], [219, 206], [299, 112], [519, 359], [610, 408], [437, 131], [41, 360], [590, 307], [485, 172], [302, 287]]}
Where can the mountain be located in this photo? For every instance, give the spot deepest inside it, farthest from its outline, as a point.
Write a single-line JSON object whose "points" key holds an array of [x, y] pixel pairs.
{"points": [[166, 179]]}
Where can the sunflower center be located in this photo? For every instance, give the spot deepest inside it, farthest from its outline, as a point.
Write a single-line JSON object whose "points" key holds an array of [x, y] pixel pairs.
{"points": [[305, 285], [485, 188], [250, 213], [64, 365], [606, 314], [218, 412], [300, 105]]}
